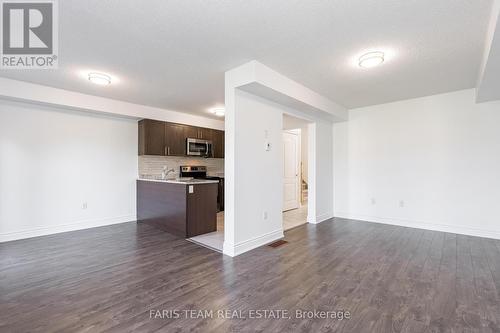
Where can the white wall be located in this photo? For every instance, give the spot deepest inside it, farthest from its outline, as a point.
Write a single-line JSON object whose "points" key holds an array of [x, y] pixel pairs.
{"points": [[52, 161], [256, 97], [439, 154], [258, 174]]}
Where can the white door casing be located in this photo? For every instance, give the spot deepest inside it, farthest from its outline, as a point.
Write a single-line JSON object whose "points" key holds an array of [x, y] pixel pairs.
{"points": [[291, 172]]}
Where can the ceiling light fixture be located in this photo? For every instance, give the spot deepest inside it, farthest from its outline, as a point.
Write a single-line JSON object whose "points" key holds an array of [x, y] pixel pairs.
{"points": [[99, 78], [220, 112], [371, 59]]}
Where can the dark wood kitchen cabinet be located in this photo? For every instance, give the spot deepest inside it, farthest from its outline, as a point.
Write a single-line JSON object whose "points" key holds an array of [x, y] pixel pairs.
{"points": [[169, 139], [191, 132], [218, 143], [205, 133], [151, 137], [177, 209], [175, 139]]}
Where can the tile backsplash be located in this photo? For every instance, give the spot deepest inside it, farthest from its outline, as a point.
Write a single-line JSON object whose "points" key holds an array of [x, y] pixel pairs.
{"points": [[153, 165]]}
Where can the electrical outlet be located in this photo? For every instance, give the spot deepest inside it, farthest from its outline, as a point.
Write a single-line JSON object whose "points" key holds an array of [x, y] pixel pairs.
{"points": [[264, 215], [84, 205], [401, 204]]}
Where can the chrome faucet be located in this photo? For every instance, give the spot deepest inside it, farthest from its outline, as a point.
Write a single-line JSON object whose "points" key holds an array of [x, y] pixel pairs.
{"points": [[165, 172]]}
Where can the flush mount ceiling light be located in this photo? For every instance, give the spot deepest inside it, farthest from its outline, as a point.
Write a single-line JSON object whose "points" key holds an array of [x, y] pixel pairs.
{"points": [[99, 78], [220, 112], [371, 59]]}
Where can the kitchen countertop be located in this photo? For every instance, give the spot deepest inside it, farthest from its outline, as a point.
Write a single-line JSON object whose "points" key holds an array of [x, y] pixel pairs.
{"points": [[185, 182]]}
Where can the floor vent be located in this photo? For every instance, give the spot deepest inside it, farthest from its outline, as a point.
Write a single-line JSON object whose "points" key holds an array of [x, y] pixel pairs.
{"points": [[278, 243]]}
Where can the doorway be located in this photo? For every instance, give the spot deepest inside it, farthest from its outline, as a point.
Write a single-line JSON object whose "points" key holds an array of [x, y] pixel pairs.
{"points": [[295, 167], [291, 170]]}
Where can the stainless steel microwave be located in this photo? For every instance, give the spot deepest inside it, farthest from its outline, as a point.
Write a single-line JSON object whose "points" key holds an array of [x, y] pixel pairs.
{"points": [[198, 147]]}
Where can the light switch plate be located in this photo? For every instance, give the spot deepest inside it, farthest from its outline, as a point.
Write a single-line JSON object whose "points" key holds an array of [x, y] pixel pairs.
{"points": [[191, 188]]}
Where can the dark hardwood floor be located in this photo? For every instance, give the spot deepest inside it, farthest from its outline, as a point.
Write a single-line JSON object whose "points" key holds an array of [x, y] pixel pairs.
{"points": [[390, 279]]}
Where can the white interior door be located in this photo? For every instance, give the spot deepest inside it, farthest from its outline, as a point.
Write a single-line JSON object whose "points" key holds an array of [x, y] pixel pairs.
{"points": [[291, 157]]}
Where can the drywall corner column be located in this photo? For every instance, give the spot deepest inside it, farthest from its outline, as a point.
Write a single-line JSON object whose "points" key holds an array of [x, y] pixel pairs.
{"points": [[254, 173], [229, 167], [320, 159], [311, 147]]}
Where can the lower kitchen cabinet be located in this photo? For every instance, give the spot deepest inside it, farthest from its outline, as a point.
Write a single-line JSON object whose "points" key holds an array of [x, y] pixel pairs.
{"points": [[183, 210]]}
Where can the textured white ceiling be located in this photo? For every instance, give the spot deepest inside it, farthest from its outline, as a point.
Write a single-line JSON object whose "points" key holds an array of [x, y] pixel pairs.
{"points": [[173, 54]]}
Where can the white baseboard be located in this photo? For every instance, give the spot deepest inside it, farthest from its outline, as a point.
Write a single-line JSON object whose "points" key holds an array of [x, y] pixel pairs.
{"points": [[422, 225], [49, 230], [236, 249], [320, 218]]}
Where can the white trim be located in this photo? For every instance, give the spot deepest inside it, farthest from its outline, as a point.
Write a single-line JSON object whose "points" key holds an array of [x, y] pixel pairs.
{"points": [[85, 224], [319, 218], [236, 249], [422, 225]]}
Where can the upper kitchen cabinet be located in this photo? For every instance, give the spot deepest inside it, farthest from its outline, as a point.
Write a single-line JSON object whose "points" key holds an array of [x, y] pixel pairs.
{"points": [[199, 133], [175, 139], [218, 143], [151, 137], [205, 133], [169, 139], [191, 132]]}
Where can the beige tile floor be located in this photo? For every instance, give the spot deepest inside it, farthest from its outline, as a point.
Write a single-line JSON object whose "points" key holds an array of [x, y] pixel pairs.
{"points": [[295, 217], [215, 240]]}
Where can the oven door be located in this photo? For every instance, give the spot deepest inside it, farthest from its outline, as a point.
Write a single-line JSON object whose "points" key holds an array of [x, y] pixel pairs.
{"points": [[197, 147]]}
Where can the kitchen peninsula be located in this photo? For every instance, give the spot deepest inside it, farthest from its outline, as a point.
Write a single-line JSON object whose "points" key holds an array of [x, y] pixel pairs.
{"points": [[185, 208]]}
